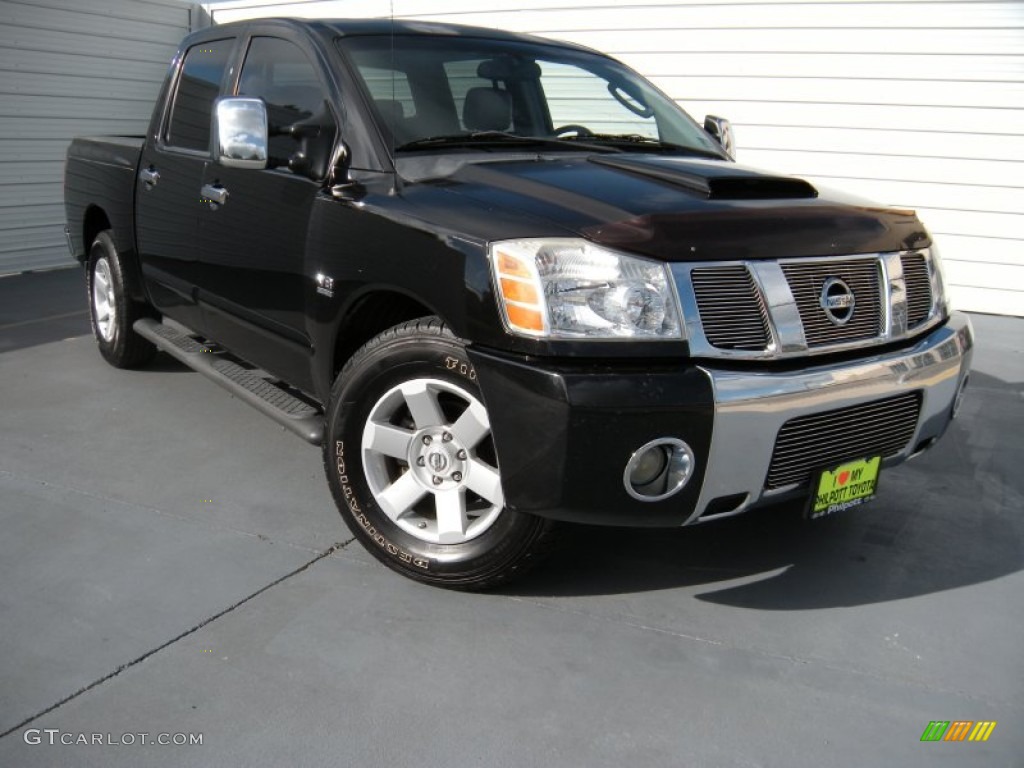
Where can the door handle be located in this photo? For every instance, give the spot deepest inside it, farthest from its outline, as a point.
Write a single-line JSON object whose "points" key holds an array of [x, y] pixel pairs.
{"points": [[149, 176], [214, 194]]}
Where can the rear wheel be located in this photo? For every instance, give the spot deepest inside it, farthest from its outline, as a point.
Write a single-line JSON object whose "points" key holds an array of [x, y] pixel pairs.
{"points": [[112, 309], [411, 462]]}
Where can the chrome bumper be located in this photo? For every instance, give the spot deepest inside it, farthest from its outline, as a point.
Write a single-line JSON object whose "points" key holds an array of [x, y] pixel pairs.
{"points": [[750, 408]]}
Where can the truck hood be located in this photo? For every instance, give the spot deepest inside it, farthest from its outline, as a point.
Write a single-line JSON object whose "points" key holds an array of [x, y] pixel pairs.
{"points": [[682, 209]]}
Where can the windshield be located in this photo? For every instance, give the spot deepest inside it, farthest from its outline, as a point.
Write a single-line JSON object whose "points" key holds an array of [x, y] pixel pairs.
{"points": [[435, 91]]}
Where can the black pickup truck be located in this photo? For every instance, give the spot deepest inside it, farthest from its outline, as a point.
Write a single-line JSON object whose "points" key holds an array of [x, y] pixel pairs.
{"points": [[506, 282]]}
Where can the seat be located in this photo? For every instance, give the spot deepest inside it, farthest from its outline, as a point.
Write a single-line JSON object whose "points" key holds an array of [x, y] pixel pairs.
{"points": [[487, 109]]}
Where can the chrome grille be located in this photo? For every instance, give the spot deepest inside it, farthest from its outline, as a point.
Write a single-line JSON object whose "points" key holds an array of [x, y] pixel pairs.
{"points": [[731, 309], [806, 280], [807, 443], [770, 309], [919, 288]]}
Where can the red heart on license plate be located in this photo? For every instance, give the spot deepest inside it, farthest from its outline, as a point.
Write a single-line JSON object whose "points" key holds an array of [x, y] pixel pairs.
{"points": [[843, 477]]}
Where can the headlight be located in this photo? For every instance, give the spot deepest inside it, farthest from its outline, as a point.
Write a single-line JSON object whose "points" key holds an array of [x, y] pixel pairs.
{"points": [[571, 288]]}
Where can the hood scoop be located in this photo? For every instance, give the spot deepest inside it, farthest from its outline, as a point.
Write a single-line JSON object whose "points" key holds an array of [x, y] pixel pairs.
{"points": [[714, 181], [759, 188]]}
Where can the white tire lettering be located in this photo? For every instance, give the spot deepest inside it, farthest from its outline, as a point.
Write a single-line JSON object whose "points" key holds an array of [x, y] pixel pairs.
{"points": [[353, 505], [464, 368]]}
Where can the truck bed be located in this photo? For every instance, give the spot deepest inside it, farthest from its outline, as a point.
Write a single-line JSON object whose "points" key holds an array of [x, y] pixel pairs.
{"points": [[100, 171]]}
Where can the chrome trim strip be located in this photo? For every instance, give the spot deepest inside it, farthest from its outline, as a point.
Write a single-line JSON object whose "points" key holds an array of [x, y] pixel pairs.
{"points": [[693, 328], [751, 407], [896, 289], [939, 297], [783, 315]]}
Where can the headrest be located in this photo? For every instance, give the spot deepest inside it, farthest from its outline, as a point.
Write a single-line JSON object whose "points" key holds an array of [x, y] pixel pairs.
{"points": [[487, 109]]}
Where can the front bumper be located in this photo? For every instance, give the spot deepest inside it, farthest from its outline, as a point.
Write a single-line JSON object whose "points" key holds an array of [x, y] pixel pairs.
{"points": [[565, 433]]}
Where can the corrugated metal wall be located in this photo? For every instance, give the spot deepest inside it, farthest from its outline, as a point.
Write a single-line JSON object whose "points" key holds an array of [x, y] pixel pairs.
{"points": [[917, 103], [70, 68]]}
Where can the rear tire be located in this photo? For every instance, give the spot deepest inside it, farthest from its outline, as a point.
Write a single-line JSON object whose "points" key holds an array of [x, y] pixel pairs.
{"points": [[111, 308], [411, 463]]}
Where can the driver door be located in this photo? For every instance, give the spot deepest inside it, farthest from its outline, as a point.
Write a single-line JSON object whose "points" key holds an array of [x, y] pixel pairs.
{"points": [[253, 282]]}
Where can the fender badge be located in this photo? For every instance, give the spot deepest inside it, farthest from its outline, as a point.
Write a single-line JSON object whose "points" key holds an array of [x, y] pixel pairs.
{"points": [[324, 285]]}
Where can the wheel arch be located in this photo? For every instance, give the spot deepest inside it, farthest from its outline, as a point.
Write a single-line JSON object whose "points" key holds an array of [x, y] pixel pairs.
{"points": [[369, 314], [94, 221]]}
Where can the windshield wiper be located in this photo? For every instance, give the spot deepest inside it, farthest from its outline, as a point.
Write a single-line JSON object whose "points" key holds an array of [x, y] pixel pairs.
{"points": [[645, 142], [480, 138]]}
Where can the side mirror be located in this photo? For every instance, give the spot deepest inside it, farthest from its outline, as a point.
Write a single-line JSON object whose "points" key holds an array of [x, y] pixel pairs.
{"points": [[721, 131], [340, 183], [240, 130]]}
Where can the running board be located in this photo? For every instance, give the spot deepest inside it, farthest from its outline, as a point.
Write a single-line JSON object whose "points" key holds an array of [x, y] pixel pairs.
{"points": [[257, 390]]}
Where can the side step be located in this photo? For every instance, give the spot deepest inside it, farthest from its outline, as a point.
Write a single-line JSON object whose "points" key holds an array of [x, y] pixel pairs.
{"points": [[258, 391]]}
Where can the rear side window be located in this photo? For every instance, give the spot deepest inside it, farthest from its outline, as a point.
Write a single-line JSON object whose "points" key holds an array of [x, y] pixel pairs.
{"points": [[198, 86]]}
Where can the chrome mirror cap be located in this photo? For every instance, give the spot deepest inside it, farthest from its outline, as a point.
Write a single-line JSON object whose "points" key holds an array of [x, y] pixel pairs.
{"points": [[240, 130]]}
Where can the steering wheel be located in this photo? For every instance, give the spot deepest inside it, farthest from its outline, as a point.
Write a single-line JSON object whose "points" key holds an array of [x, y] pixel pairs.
{"points": [[580, 130]]}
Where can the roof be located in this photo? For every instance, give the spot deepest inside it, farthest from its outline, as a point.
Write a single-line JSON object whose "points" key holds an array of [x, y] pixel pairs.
{"points": [[384, 26]]}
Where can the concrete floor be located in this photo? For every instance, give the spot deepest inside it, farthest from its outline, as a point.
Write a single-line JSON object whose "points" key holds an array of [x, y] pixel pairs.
{"points": [[171, 562]]}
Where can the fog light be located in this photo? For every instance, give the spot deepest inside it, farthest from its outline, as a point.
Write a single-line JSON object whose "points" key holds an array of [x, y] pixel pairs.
{"points": [[658, 469], [648, 466]]}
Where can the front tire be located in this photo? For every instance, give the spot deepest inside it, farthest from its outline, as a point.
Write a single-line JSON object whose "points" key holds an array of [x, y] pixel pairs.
{"points": [[411, 463], [112, 309]]}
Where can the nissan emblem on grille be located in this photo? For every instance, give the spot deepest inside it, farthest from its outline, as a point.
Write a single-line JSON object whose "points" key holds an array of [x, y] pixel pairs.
{"points": [[837, 300]]}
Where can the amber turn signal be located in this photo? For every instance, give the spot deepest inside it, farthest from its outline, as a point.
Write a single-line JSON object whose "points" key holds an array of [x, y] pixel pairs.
{"points": [[520, 296]]}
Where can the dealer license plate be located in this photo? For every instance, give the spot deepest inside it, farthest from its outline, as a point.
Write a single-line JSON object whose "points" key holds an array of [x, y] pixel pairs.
{"points": [[843, 487]]}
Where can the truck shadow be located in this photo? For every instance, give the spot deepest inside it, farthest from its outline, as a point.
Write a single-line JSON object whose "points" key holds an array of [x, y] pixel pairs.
{"points": [[42, 307], [949, 519]]}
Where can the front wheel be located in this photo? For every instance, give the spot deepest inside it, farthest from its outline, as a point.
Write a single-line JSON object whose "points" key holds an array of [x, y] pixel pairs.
{"points": [[412, 466]]}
